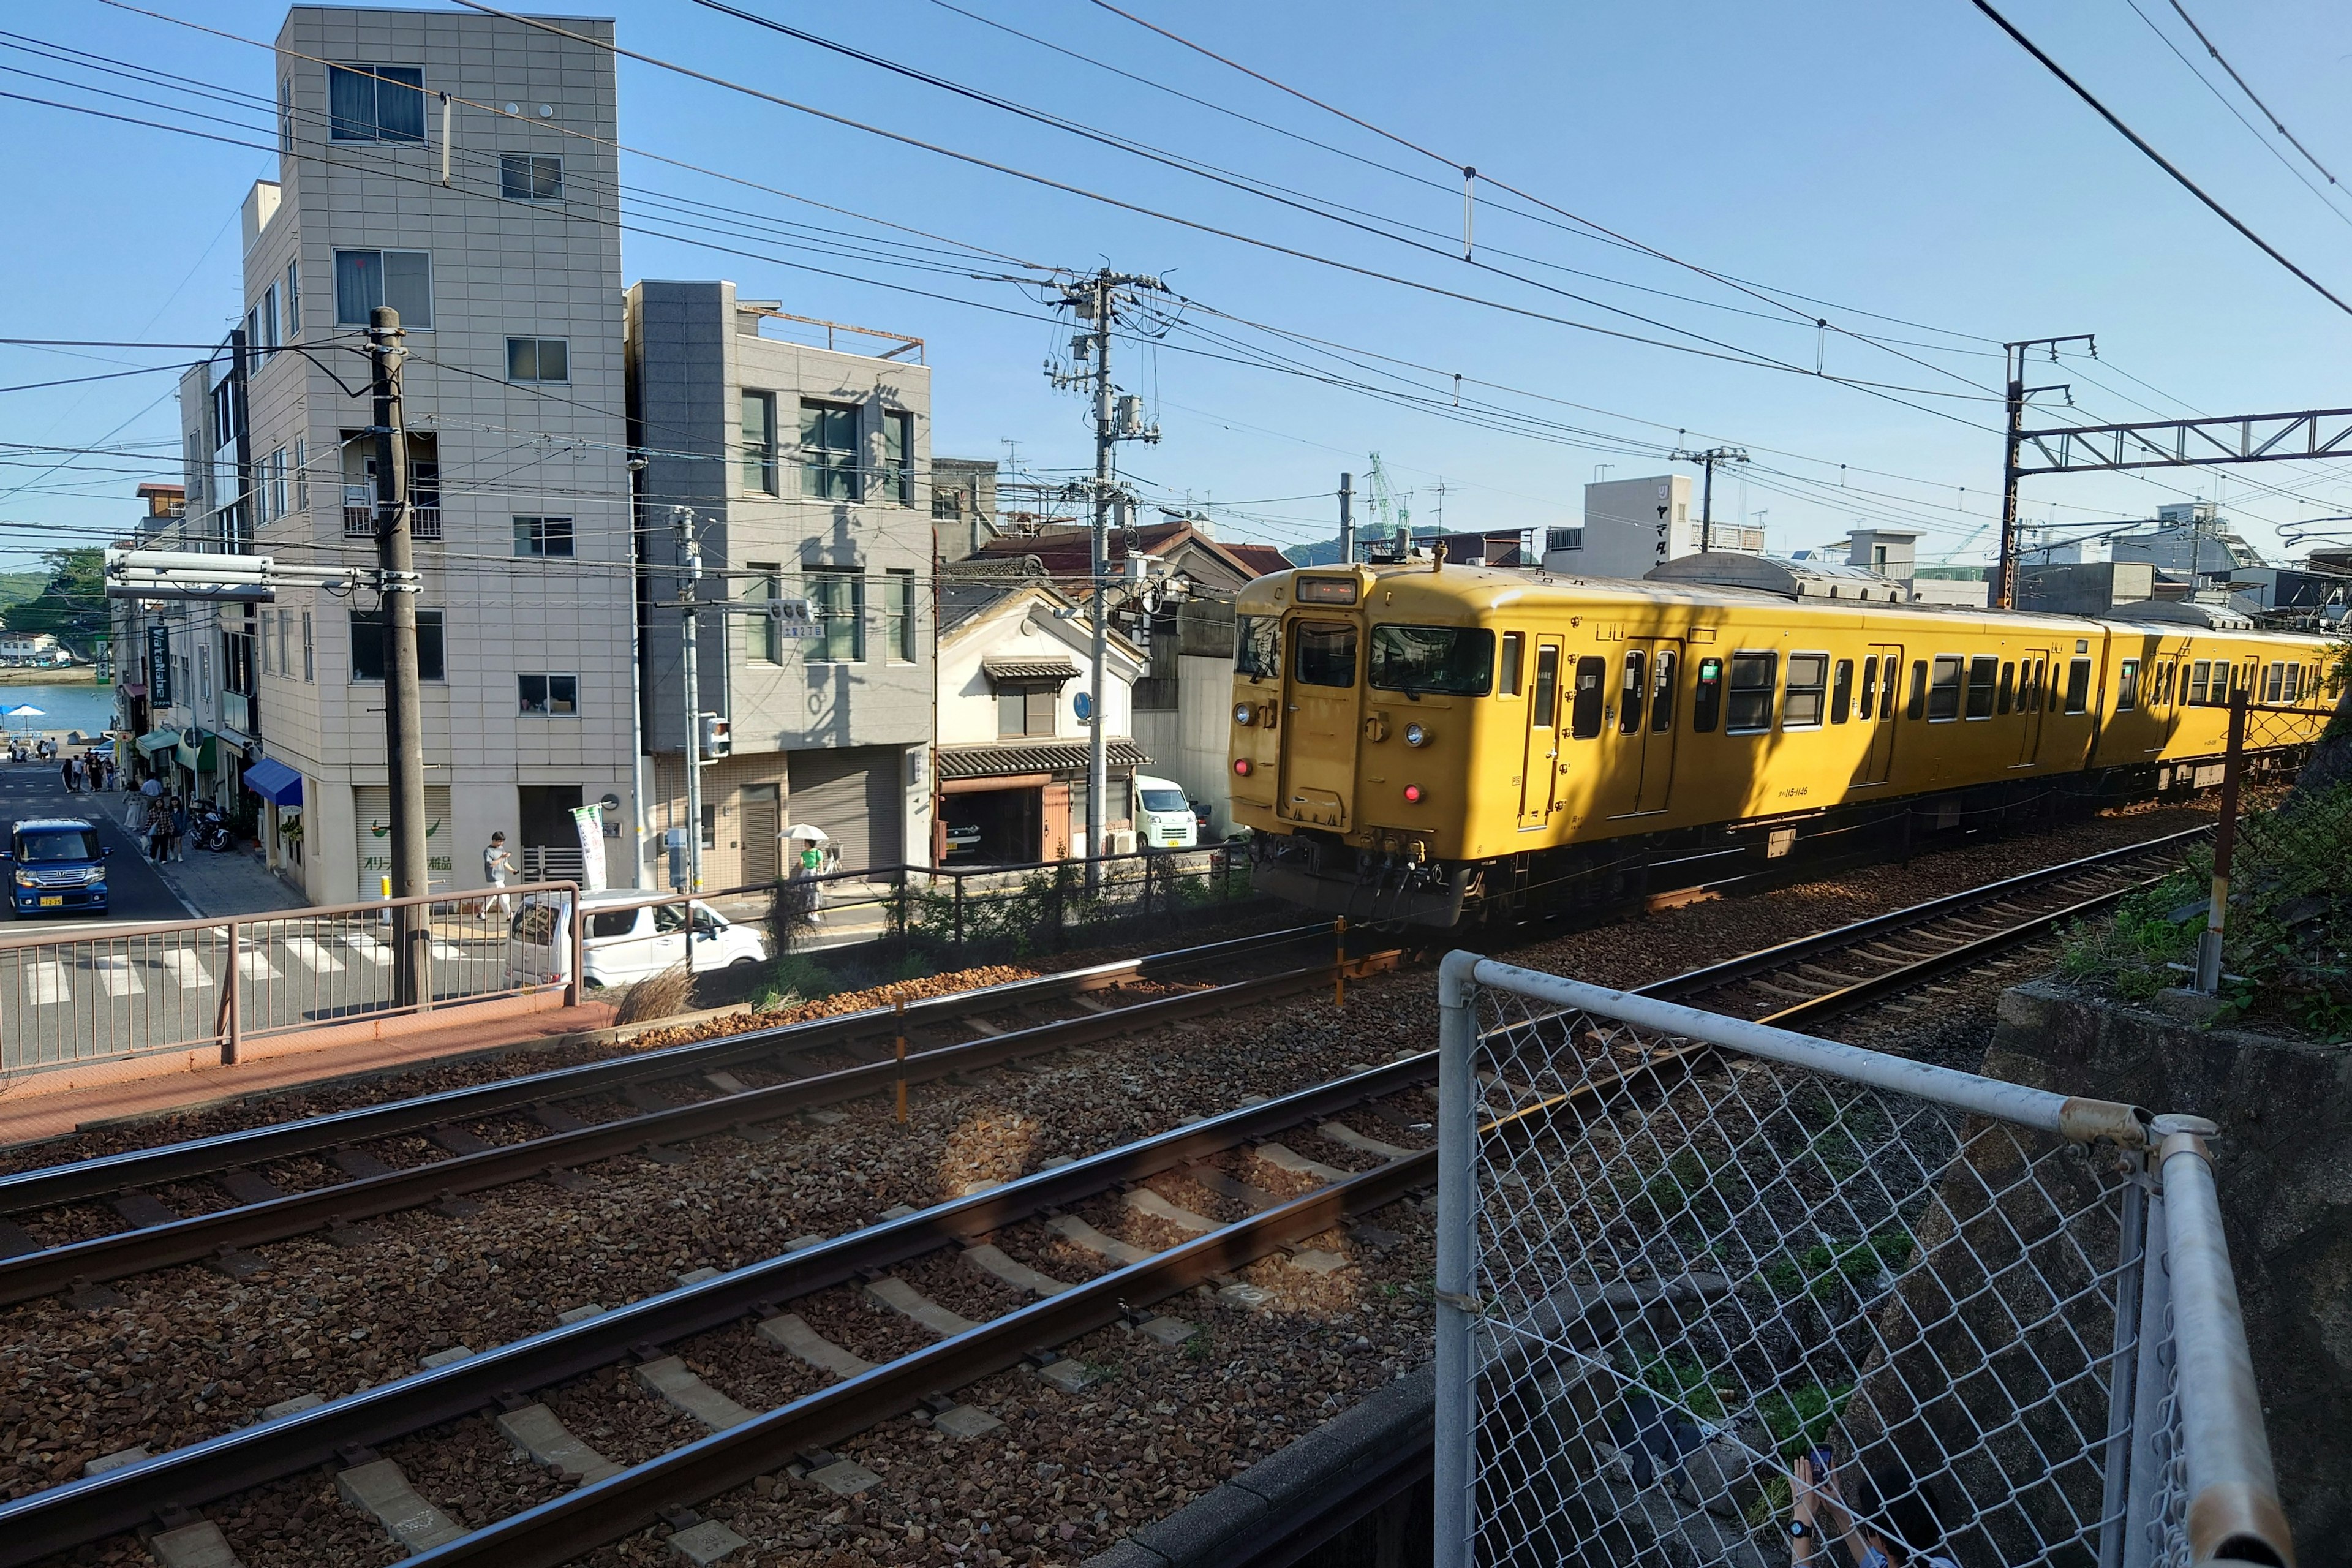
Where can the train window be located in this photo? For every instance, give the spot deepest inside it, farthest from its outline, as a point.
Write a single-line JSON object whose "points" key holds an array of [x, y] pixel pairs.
{"points": [[1452, 662], [2008, 685], [1515, 652], [1808, 679], [1981, 672], [1257, 646], [1629, 700], [1841, 692], [1591, 695], [1707, 698], [1869, 687], [2293, 690], [1944, 688], [1662, 693], [2127, 686], [1886, 692], [2078, 686], [1917, 706], [1751, 693], [1327, 653], [2200, 676], [1547, 686], [2274, 682]]}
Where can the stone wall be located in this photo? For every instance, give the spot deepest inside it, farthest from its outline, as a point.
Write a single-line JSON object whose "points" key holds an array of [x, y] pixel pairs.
{"points": [[2283, 1163]]}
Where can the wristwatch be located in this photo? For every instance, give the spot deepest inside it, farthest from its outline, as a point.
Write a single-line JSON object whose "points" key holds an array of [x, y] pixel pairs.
{"points": [[1799, 1530]]}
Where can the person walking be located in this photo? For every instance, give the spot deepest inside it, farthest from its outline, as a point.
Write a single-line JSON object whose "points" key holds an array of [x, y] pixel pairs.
{"points": [[497, 866], [66, 770], [180, 824]]}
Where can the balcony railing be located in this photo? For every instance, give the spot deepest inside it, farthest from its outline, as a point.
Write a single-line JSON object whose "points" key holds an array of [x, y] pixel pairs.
{"points": [[359, 515]]}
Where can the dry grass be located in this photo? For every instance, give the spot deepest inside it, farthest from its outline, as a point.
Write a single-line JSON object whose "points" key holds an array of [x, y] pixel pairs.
{"points": [[661, 996]]}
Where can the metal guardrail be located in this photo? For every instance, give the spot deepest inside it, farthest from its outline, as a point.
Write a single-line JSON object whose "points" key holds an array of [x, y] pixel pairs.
{"points": [[1685, 1259]]}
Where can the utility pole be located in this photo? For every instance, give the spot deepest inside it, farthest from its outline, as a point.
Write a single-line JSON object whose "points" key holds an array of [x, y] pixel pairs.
{"points": [[689, 594], [1707, 460], [404, 724], [2004, 585], [1347, 520]]}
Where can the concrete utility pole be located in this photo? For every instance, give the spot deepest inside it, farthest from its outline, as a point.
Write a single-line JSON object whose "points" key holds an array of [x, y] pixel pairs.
{"points": [[689, 595], [1347, 520], [404, 724], [2004, 584], [1708, 459]]}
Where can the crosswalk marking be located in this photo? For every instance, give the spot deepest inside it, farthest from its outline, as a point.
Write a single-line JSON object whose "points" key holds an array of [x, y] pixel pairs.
{"points": [[367, 947], [315, 958], [254, 965], [114, 970], [44, 984], [185, 969], [443, 949]]}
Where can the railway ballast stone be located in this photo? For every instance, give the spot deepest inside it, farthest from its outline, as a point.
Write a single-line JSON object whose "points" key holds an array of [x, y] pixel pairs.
{"points": [[2283, 1164]]}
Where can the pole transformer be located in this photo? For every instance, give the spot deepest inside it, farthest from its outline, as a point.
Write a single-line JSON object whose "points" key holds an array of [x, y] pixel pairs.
{"points": [[1707, 461], [689, 597], [404, 724]]}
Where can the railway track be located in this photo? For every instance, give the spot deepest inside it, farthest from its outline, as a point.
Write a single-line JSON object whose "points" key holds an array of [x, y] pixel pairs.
{"points": [[1235, 1155]]}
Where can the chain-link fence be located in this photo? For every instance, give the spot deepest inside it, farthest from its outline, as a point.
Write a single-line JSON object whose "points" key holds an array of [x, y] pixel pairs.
{"points": [[1684, 1260]]}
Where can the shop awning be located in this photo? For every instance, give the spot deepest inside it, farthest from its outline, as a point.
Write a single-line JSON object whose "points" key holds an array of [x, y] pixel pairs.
{"points": [[156, 740], [1003, 667], [197, 753], [273, 782], [979, 762]]}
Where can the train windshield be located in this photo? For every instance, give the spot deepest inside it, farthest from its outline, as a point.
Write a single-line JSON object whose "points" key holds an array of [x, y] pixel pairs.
{"points": [[1257, 646], [1450, 662], [1327, 653]]}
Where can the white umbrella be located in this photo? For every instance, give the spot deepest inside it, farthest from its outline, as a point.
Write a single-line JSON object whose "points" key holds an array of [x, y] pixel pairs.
{"points": [[814, 835]]}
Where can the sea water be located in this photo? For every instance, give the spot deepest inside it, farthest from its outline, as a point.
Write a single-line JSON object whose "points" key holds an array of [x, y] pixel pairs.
{"points": [[84, 706]]}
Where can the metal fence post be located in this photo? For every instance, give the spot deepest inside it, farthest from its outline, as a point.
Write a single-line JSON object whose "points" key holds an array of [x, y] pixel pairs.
{"points": [[232, 1002], [959, 914], [1457, 1141], [2153, 1440], [2225, 841], [578, 957], [2123, 1371]]}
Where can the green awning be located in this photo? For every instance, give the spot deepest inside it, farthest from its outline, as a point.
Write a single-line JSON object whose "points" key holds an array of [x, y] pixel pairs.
{"points": [[156, 740], [198, 754]]}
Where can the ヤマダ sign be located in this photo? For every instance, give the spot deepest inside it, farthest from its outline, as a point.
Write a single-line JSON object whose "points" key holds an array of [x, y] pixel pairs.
{"points": [[159, 667]]}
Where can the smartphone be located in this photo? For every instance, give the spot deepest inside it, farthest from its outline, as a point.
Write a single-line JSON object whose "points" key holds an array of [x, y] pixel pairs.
{"points": [[1821, 1461]]}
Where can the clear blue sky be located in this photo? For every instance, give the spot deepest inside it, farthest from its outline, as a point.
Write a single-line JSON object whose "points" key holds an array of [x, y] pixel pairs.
{"points": [[1906, 160]]}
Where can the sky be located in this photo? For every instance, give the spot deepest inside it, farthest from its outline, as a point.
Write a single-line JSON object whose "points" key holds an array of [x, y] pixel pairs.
{"points": [[1692, 188]]}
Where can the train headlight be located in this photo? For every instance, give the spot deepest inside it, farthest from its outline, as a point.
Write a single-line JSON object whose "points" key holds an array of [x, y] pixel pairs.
{"points": [[1245, 714], [1414, 735], [1413, 794], [1240, 766]]}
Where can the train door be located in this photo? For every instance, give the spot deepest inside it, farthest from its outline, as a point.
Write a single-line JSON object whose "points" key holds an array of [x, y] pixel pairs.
{"points": [[1880, 678], [2032, 702], [1638, 763], [1323, 705], [1540, 769]]}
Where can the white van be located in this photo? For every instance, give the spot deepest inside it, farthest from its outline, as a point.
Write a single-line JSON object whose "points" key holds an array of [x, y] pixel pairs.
{"points": [[624, 945], [1163, 818]]}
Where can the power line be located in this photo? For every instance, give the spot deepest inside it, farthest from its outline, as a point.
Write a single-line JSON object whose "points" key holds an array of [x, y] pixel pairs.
{"points": [[2277, 123]]}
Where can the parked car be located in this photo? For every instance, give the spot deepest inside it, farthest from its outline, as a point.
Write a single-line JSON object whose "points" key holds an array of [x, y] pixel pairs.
{"points": [[624, 944], [1163, 818], [55, 864]]}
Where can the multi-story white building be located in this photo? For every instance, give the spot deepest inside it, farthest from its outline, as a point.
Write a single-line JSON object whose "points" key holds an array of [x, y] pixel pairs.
{"points": [[461, 169], [1633, 525]]}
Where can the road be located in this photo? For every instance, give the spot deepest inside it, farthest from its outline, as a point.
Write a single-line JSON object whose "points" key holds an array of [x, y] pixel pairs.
{"points": [[136, 893]]}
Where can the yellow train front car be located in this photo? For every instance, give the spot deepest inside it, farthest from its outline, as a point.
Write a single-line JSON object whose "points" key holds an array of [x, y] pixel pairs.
{"points": [[1415, 742]]}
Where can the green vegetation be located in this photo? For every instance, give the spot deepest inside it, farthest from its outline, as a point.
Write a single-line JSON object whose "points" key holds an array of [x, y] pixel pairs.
{"points": [[1823, 1272], [68, 599]]}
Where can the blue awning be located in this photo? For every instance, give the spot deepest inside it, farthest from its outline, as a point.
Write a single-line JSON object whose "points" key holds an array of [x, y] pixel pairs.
{"points": [[273, 781]]}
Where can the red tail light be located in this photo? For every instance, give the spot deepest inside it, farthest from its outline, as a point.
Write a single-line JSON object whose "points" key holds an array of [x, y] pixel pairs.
{"points": [[1240, 766], [1413, 794]]}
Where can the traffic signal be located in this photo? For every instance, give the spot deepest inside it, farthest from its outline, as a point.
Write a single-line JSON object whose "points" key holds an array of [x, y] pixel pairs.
{"points": [[718, 736]]}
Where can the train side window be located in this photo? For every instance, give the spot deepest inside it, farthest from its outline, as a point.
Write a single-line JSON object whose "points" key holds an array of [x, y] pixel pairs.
{"points": [[2275, 682], [1327, 653], [1629, 700], [1591, 696], [2008, 685], [2127, 686], [1707, 696], [1752, 680], [1869, 687], [1808, 679], [2078, 686], [1944, 688], [2293, 690], [2200, 676], [1662, 693], [1917, 705], [1981, 672], [1886, 692], [1515, 650], [1841, 692], [1547, 687]]}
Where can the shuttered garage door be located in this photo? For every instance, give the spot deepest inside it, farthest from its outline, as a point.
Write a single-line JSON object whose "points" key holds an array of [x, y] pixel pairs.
{"points": [[852, 796]]}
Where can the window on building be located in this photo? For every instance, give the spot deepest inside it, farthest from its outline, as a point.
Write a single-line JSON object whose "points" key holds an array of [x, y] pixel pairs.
{"points": [[838, 599], [280, 496], [1984, 672], [368, 649], [1024, 711], [267, 319], [1753, 676], [268, 644], [285, 115], [543, 536], [829, 451], [376, 103], [1841, 692], [310, 656], [291, 299], [2078, 686], [1563, 538], [759, 443], [898, 615], [530, 177], [765, 640], [549, 695], [1588, 697], [539, 359], [301, 474], [400, 279], [898, 456], [286, 642], [1809, 679], [2126, 686]]}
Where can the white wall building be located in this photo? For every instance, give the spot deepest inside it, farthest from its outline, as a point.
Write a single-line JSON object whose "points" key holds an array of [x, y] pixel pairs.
{"points": [[1633, 525]]}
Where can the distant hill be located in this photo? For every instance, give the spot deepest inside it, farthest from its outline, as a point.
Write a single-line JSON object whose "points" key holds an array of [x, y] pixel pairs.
{"points": [[15, 587]]}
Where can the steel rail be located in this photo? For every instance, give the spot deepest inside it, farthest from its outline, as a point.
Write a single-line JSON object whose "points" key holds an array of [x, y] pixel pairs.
{"points": [[202, 1236], [1765, 960], [106, 1174], [63, 1517]]}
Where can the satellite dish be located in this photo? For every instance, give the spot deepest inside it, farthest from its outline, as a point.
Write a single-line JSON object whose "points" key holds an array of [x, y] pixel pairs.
{"points": [[1083, 705]]}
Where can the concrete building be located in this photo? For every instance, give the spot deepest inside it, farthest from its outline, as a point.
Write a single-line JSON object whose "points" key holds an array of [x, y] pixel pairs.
{"points": [[802, 450], [963, 505], [507, 276], [1633, 525], [2084, 587], [2191, 539]]}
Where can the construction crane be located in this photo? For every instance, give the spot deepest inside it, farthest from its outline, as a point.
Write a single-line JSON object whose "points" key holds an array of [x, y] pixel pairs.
{"points": [[1392, 512]]}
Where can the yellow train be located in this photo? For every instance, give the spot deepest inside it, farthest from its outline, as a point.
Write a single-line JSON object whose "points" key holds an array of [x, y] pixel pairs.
{"points": [[1417, 742]]}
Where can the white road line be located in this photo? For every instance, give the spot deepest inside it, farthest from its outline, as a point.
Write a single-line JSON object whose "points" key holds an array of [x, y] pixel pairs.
{"points": [[315, 958], [44, 984], [255, 965], [185, 969], [114, 970], [367, 947]]}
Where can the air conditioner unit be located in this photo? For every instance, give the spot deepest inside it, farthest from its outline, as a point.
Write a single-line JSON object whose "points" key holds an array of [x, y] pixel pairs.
{"points": [[1121, 842]]}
